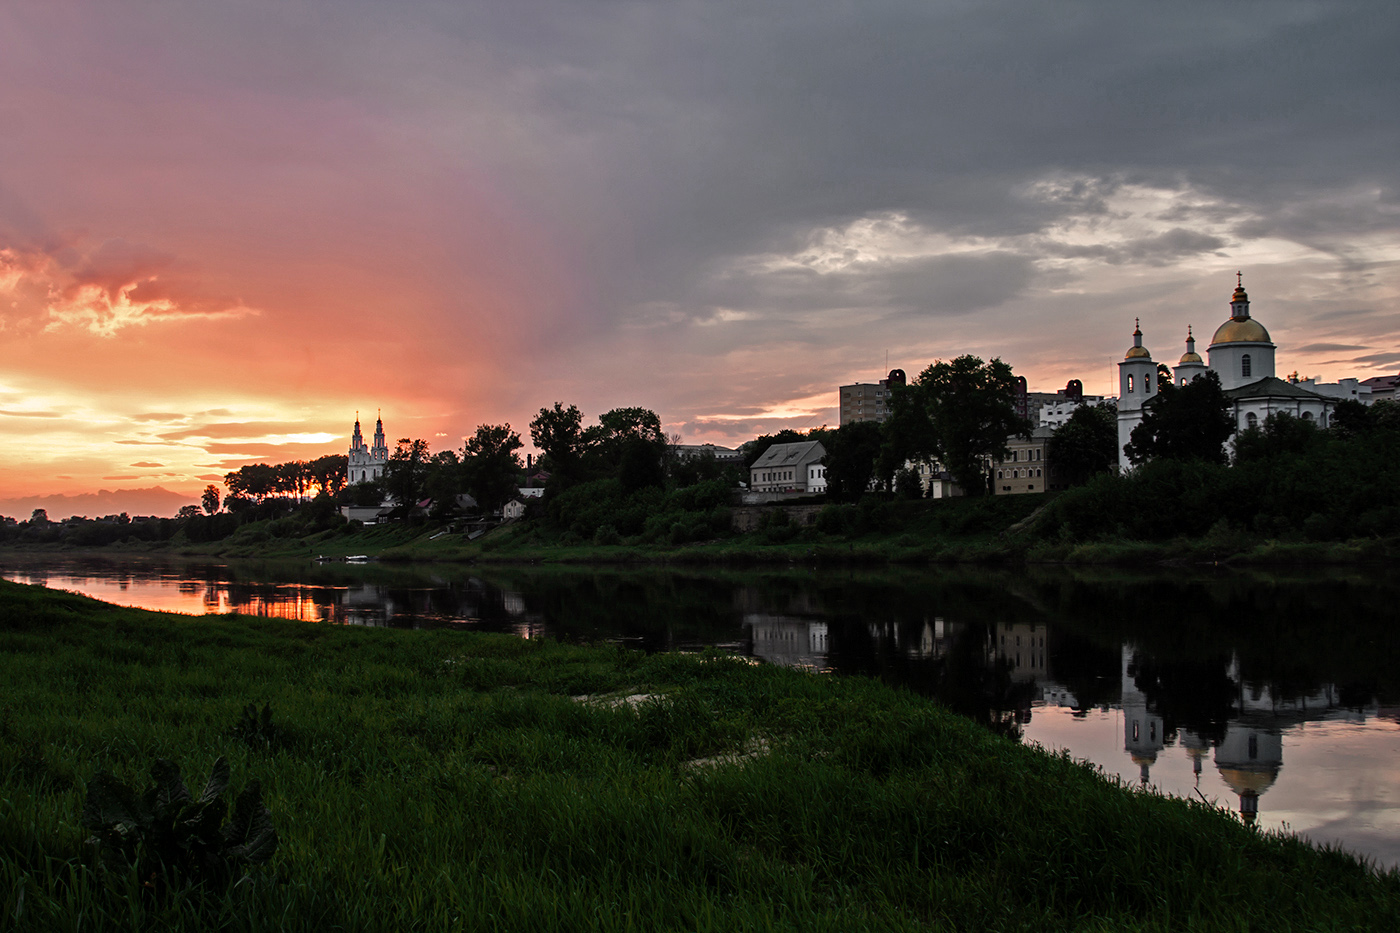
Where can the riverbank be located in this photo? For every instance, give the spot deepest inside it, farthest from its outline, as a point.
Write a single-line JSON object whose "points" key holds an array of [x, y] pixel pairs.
{"points": [[440, 780], [1006, 531]]}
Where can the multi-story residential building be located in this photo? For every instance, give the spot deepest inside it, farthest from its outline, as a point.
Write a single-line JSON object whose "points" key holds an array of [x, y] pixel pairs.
{"points": [[1027, 466], [869, 401]]}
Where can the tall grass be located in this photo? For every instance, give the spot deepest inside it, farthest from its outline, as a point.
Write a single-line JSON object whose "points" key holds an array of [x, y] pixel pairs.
{"points": [[442, 781]]}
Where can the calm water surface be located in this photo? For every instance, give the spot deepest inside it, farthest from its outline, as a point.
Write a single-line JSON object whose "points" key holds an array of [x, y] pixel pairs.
{"points": [[1268, 693]]}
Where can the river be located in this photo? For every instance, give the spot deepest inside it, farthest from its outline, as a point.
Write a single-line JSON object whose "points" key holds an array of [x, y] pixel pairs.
{"points": [[1276, 695]]}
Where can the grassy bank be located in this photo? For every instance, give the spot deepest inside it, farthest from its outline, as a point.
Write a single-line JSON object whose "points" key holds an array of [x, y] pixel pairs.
{"points": [[441, 780], [984, 531]]}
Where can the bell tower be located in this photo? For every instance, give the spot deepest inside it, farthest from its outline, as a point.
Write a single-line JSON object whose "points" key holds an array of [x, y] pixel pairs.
{"points": [[1137, 382]]}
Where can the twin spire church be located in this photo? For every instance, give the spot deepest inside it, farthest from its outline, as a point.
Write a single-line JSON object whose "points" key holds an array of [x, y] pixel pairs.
{"points": [[366, 464], [1242, 356]]}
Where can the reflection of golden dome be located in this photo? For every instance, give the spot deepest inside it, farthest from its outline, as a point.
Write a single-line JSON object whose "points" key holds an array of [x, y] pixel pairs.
{"points": [[1137, 353], [1242, 781], [1240, 330], [1190, 358], [1139, 759]]}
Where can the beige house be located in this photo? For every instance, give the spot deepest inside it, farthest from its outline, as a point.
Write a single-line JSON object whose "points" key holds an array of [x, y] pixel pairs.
{"points": [[1026, 468], [794, 468]]}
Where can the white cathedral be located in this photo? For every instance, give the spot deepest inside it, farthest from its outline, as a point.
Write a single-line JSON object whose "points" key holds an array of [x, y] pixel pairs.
{"points": [[366, 464], [1242, 356]]}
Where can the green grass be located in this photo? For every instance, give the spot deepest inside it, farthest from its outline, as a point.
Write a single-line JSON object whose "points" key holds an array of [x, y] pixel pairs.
{"points": [[442, 781]]}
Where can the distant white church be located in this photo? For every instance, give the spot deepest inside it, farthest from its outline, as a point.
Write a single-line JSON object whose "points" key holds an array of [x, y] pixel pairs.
{"points": [[366, 464], [1242, 356]]}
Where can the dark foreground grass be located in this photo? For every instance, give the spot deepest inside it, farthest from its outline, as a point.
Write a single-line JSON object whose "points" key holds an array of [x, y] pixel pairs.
{"points": [[445, 781]]}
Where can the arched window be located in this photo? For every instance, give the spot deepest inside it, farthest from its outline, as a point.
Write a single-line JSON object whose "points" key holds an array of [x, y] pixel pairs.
{"points": [[1307, 416], [1251, 420], [1147, 383], [1244, 365], [1130, 383]]}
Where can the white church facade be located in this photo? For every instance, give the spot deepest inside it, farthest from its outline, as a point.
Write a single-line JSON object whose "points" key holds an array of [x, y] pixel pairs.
{"points": [[366, 464], [1242, 356]]}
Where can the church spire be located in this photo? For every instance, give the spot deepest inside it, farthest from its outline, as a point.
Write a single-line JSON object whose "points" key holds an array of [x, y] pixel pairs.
{"points": [[1239, 301]]}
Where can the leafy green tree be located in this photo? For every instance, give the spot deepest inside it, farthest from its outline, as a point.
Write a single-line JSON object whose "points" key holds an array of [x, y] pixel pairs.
{"points": [[970, 410], [443, 482], [1086, 444], [558, 434], [491, 465], [406, 472], [1350, 419], [329, 473], [1190, 422], [1280, 434], [293, 478], [907, 484], [851, 454], [254, 481], [188, 511], [628, 443], [210, 499], [908, 431]]}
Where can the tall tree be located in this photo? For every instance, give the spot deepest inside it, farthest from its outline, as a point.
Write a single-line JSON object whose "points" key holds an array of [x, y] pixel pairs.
{"points": [[971, 412], [329, 472], [254, 481], [491, 465], [405, 473], [627, 443], [851, 454], [210, 499], [1190, 422], [1085, 444], [558, 434]]}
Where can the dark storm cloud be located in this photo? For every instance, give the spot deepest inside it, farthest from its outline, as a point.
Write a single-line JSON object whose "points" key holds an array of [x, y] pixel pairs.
{"points": [[717, 130], [933, 285], [1162, 249]]}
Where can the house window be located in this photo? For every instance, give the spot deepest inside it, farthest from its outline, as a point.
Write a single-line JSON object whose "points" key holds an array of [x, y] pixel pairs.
{"points": [[1244, 365]]}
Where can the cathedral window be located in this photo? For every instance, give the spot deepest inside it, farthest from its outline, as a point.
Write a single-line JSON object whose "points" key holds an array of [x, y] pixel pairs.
{"points": [[1147, 383], [1244, 365], [1251, 420], [1130, 383]]}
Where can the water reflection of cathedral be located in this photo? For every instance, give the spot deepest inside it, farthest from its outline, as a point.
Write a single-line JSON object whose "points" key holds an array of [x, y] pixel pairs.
{"points": [[1249, 756]]}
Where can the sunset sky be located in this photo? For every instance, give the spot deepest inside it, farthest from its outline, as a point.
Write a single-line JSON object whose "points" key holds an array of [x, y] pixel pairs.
{"points": [[225, 227]]}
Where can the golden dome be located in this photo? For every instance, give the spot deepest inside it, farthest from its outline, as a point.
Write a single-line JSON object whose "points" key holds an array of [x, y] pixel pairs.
{"points": [[1192, 357], [1137, 353], [1240, 330], [1241, 780]]}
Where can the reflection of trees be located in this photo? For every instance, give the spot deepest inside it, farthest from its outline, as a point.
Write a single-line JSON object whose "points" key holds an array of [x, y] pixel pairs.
{"points": [[1195, 694]]}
